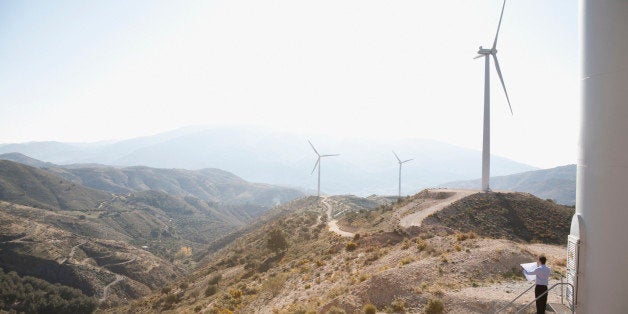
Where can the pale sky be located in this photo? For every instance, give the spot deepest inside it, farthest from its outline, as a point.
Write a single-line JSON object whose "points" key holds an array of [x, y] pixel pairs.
{"points": [[85, 71]]}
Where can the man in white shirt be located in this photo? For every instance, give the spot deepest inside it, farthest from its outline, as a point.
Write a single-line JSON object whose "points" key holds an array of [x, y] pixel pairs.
{"points": [[542, 274]]}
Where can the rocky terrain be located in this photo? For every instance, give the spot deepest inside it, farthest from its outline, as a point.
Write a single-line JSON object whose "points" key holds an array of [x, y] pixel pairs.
{"points": [[112, 247], [296, 261]]}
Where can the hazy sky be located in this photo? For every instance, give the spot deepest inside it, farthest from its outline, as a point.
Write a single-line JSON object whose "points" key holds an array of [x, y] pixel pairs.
{"points": [[100, 70]]}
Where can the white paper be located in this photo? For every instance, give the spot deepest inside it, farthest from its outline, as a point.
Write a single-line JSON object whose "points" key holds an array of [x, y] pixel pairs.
{"points": [[529, 267]]}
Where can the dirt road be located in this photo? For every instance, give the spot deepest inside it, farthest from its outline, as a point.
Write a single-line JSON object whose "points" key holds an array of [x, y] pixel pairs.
{"points": [[332, 224], [415, 219]]}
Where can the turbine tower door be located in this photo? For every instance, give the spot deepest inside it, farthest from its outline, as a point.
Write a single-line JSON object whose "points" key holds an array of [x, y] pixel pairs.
{"points": [[573, 244]]}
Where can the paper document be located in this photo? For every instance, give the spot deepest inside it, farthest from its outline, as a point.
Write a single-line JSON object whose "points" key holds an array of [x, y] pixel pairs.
{"points": [[530, 267]]}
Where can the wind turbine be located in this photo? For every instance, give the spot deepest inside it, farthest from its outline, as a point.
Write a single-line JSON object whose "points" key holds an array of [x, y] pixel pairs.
{"points": [[486, 139], [318, 164], [400, 163]]}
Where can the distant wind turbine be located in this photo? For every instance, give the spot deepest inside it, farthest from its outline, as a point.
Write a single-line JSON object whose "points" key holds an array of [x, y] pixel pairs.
{"points": [[486, 140], [318, 164], [400, 163]]}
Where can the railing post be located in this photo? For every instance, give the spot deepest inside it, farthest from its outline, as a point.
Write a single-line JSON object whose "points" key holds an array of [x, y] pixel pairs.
{"points": [[561, 290]]}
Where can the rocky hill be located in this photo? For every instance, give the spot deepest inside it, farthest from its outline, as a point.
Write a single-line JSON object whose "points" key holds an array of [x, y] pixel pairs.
{"points": [[66, 250], [110, 246], [298, 261], [514, 216], [558, 184]]}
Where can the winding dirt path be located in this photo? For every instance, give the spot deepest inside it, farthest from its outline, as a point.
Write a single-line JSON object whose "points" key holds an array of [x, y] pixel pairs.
{"points": [[122, 263], [72, 252], [415, 219], [332, 224], [105, 290]]}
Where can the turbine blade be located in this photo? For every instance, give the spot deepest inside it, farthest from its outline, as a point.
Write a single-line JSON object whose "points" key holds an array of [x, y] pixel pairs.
{"points": [[316, 164], [478, 56], [501, 79], [330, 155], [406, 160], [399, 160], [314, 148], [499, 25]]}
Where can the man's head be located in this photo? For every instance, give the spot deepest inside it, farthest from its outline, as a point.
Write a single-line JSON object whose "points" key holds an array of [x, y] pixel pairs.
{"points": [[542, 259]]}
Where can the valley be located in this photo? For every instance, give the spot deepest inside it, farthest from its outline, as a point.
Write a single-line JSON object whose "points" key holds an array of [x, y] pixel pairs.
{"points": [[122, 246]]}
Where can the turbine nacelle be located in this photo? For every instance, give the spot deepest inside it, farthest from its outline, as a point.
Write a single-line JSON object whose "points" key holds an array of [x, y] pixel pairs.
{"points": [[484, 51]]}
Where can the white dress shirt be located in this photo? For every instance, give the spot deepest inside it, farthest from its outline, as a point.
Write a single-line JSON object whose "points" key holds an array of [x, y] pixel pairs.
{"points": [[542, 274]]}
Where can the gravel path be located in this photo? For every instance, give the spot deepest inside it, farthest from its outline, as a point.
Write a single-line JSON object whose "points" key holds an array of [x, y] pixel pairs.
{"points": [[415, 219], [332, 224], [105, 290]]}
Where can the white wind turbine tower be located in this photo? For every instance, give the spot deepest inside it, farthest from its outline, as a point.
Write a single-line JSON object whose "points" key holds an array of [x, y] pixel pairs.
{"points": [[486, 140], [318, 164], [400, 163]]}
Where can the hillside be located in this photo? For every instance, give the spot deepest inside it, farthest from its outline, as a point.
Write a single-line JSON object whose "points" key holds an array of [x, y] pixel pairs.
{"points": [[26, 185], [32, 295], [25, 160], [557, 184], [110, 246], [212, 185], [260, 155], [72, 251], [514, 216], [297, 262]]}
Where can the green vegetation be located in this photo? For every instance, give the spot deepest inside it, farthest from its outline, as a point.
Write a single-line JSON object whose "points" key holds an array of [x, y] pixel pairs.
{"points": [[351, 246], [276, 240], [32, 295]]}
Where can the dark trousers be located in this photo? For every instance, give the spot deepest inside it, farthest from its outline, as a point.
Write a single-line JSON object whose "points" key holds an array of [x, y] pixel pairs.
{"points": [[541, 302]]}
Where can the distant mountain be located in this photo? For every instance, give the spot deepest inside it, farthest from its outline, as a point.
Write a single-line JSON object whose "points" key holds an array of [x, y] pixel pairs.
{"points": [[258, 155], [558, 183], [23, 159], [30, 186], [213, 185], [131, 216]]}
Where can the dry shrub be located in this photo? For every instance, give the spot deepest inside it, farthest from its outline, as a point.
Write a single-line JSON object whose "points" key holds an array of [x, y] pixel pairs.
{"points": [[434, 306], [275, 284], [370, 309], [398, 305], [235, 293]]}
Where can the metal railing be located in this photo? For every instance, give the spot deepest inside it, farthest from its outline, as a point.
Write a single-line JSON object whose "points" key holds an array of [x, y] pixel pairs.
{"points": [[515, 299], [561, 284], [571, 307]]}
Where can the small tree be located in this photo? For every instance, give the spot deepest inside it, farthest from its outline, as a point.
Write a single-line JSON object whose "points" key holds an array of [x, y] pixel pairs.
{"points": [[276, 240]]}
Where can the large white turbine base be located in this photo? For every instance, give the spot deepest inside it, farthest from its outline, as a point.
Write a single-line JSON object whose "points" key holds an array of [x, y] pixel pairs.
{"points": [[601, 220]]}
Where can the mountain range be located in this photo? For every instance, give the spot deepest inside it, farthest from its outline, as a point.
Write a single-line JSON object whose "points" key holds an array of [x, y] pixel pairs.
{"points": [[260, 155], [135, 229]]}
